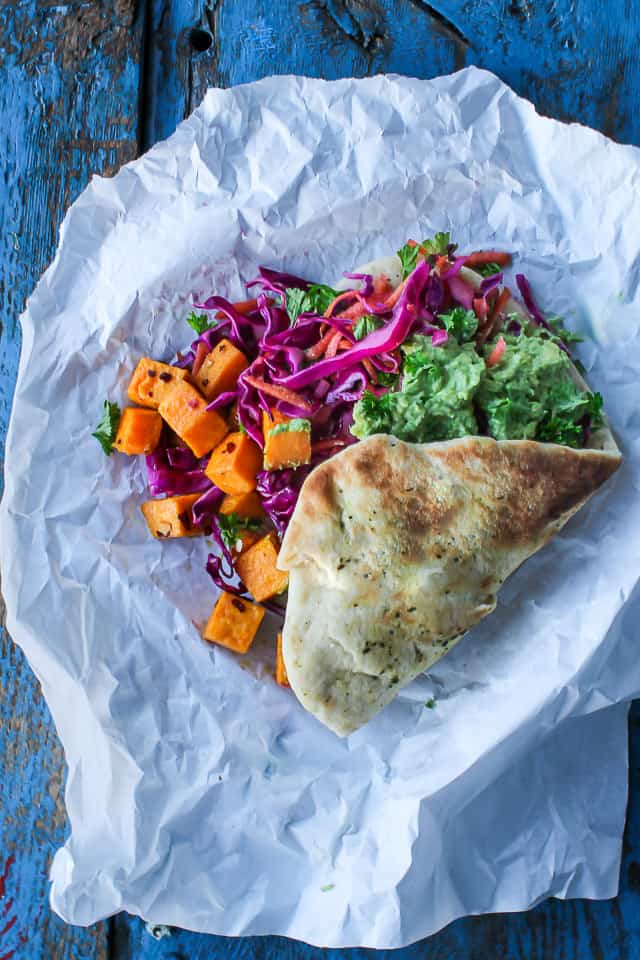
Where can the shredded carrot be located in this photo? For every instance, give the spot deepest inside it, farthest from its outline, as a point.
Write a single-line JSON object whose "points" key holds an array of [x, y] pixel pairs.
{"points": [[442, 263], [280, 393], [341, 296], [499, 304], [201, 352], [395, 296], [411, 243], [381, 286], [353, 312], [241, 306], [371, 370], [481, 257], [481, 308], [319, 348], [332, 347], [496, 354], [345, 344]]}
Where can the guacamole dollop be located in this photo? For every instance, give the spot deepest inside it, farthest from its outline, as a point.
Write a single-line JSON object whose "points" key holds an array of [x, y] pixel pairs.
{"points": [[448, 391]]}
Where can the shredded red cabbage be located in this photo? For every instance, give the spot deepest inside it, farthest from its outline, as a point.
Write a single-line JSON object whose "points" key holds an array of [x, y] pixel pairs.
{"points": [[205, 508], [223, 573], [367, 282], [383, 340], [182, 476], [461, 292], [279, 491]]}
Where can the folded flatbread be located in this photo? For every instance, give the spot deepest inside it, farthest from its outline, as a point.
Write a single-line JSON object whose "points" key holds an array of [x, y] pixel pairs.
{"points": [[396, 549]]}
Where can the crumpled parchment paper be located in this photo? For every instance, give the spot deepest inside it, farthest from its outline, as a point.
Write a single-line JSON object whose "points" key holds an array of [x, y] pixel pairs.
{"points": [[199, 793]]}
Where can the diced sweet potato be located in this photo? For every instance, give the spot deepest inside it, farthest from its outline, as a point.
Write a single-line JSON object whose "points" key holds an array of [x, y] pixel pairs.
{"points": [[151, 380], [257, 569], [171, 517], [186, 413], [243, 504], [287, 441], [220, 369], [138, 431], [281, 670], [234, 464], [247, 538], [233, 622]]}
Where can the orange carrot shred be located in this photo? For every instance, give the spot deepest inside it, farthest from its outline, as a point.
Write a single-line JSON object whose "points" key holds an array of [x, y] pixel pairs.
{"points": [[332, 347], [497, 353], [318, 348], [201, 352], [334, 303], [481, 257], [279, 392]]}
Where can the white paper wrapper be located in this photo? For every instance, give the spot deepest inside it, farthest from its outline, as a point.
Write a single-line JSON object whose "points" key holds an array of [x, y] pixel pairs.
{"points": [[199, 793]]}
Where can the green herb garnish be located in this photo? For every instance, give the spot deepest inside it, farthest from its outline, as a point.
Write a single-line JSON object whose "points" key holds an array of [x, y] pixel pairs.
{"points": [[430, 704], [460, 323], [438, 246], [366, 325], [200, 322], [105, 432], [387, 379], [488, 269], [231, 526], [314, 300]]}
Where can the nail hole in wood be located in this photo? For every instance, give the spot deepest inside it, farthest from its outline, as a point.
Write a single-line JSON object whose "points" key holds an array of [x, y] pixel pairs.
{"points": [[200, 40]]}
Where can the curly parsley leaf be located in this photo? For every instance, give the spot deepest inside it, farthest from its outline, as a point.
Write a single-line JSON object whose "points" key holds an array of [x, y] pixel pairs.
{"points": [[438, 246], [366, 325], [565, 421], [408, 256], [488, 269], [231, 526], [460, 323], [200, 322], [105, 432], [561, 333], [315, 299], [387, 379]]}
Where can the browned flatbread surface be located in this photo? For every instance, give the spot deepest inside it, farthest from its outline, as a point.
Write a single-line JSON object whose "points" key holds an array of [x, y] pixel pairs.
{"points": [[395, 550]]}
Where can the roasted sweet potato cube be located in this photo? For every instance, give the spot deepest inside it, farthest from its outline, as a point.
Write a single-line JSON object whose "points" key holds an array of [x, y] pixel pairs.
{"points": [[257, 569], [235, 463], [220, 369], [287, 441], [243, 504], [186, 413], [246, 539], [281, 670], [138, 431], [171, 517], [233, 622], [151, 380]]}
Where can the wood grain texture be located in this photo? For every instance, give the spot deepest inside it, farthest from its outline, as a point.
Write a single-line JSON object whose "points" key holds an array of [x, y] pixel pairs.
{"points": [[83, 87], [69, 89]]}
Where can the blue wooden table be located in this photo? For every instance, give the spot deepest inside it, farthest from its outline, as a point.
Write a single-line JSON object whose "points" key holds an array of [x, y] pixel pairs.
{"points": [[90, 84]]}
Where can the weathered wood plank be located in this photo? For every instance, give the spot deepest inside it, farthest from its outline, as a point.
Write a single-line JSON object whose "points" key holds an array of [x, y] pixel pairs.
{"points": [[576, 62], [69, 84], [69, 87]]}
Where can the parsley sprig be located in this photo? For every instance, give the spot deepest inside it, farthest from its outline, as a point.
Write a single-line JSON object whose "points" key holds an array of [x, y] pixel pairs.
{"points": [[105, 432]]}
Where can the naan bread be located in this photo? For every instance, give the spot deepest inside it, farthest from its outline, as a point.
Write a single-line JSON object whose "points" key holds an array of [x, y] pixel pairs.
{"points": [[395, 550]]}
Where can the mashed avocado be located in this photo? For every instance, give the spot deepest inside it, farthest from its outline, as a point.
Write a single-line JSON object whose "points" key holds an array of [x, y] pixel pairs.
{"points": [[448, 391], [435, 401]]}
